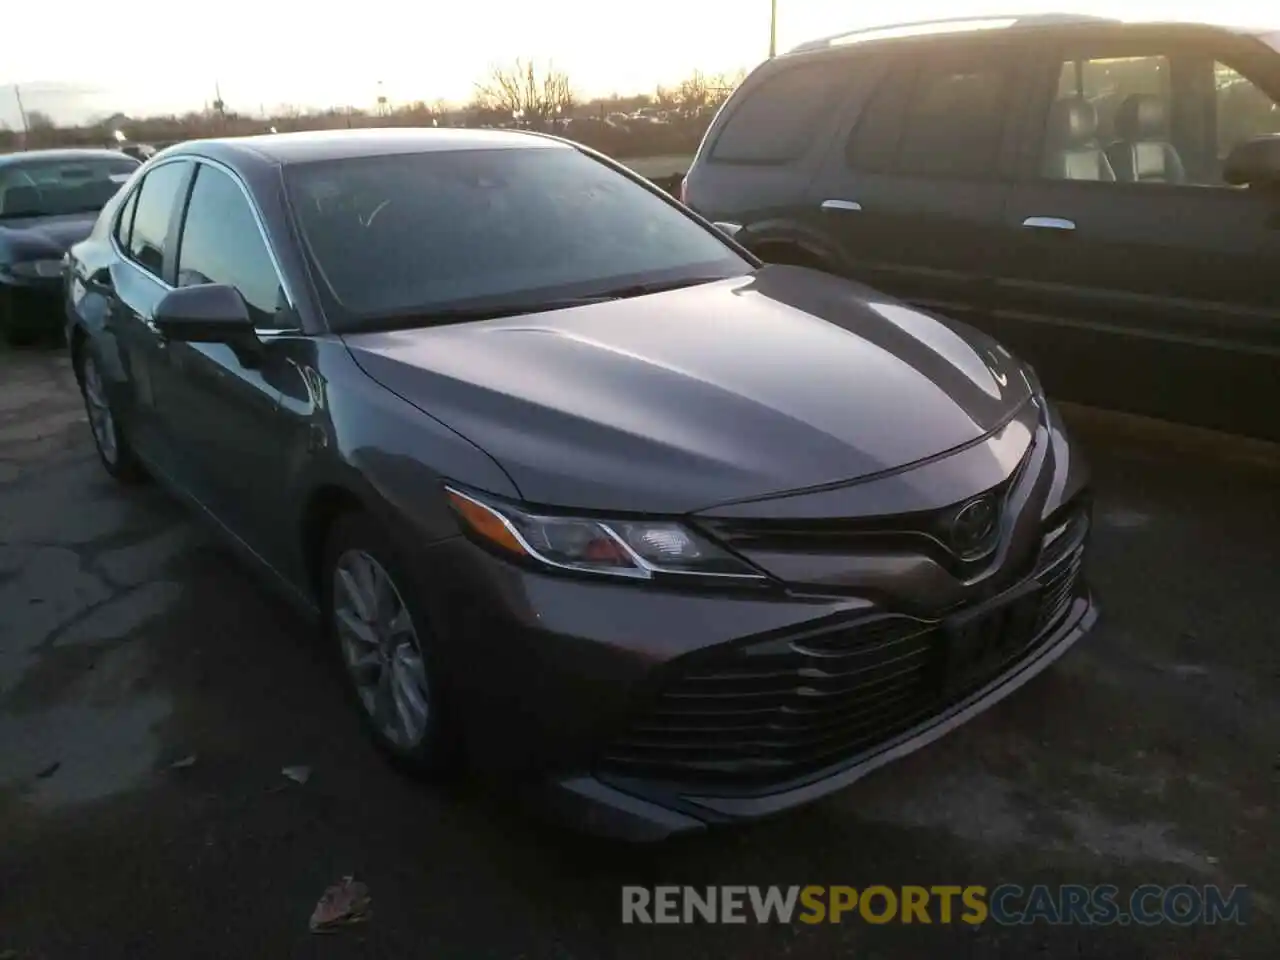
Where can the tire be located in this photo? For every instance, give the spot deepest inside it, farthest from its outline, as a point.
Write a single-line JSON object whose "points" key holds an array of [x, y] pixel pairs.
{"points": [[114, 452], [385, 685]]}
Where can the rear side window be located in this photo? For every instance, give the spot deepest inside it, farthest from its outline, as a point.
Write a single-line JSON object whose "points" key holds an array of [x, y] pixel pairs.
{"points": [[778, 119], [124, 225], [942, 119], [157, 197], [953, 123]]}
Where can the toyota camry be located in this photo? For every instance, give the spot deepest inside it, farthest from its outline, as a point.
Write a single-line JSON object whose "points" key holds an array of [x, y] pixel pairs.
{"points": [[582, 494]]}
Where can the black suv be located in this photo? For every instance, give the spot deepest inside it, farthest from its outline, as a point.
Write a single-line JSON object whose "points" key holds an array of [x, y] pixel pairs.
{"points": [[1103, 198]]}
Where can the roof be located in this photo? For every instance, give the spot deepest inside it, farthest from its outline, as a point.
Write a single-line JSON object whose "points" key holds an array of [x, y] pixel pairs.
{"points": [[314, 145], [995, 22], [64, 154]]}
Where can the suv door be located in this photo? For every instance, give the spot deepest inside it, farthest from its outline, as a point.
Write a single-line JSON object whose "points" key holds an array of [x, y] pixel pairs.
{"points": [[220, 403], [913, 194], [143, 236], [1151, 289]]}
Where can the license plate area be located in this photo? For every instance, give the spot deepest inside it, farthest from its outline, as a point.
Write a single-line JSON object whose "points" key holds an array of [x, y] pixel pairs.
{"points": [[980, 641]]}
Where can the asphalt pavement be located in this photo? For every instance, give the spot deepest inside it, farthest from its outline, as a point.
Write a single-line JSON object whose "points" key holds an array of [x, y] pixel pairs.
{"points": [[151, 693]]}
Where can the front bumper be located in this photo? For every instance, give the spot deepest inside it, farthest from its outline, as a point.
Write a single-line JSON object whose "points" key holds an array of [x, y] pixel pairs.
{"points": [[551, 676], [607, 808]]}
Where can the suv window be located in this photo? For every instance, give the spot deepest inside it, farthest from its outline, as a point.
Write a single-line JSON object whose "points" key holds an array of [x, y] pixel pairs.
{"points": [[1107, 83], [124, 223], [778, 119], [1243, 110], [157, 195], [221, 243], [947, 123], [1160, 119], [954, 120]]}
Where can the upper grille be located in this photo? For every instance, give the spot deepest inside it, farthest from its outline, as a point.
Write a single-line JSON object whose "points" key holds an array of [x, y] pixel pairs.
{"points": [[927, 532], [778, 710]]}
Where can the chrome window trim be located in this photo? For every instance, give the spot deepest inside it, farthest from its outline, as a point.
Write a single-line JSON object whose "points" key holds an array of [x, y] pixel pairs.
{"points": [[259, 221]]}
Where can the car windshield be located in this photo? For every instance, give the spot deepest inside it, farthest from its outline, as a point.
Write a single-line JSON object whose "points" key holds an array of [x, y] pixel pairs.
{"points": [[425, 235], [47, 188]]}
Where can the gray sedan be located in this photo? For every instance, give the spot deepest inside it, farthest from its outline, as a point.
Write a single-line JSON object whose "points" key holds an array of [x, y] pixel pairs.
{"points": [[583, 495]]}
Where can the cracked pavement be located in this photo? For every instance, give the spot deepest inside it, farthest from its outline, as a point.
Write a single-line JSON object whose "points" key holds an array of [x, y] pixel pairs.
{"points": [[129, 640]]}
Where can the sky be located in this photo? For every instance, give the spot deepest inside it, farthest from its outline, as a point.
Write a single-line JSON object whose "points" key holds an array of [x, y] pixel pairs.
{"points": [[158, 56]]}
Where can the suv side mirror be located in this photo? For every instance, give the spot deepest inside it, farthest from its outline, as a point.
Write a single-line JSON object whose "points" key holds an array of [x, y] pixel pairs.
{"points": [[1255, 163], [206, 313]]}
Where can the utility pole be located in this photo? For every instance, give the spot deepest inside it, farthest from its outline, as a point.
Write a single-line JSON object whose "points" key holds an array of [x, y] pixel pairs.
{"points": [[773, 30], [22, 111]]}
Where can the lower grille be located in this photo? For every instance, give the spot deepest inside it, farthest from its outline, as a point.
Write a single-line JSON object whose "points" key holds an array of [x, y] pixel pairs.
{"points": [[778, 710]]}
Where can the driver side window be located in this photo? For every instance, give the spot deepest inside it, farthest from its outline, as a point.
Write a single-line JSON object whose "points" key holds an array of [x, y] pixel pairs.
{"points": [[221, 243]]}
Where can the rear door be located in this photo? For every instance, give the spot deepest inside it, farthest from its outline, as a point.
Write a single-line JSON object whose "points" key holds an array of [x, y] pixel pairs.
{"points": [[914, 191], [135, 283], [773, 135], [1151, 294]]}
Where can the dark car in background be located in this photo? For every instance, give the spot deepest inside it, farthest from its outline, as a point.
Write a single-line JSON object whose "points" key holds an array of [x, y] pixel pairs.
{"points": [[1103, 198], [49, 199], [580, 490]]}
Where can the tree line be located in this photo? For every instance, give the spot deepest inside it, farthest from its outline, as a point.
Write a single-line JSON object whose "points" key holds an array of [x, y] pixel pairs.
{"points": [[523, 94]]}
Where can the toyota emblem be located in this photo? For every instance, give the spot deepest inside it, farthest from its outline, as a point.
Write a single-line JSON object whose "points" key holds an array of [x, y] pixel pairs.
{"points": [[973, 526]]}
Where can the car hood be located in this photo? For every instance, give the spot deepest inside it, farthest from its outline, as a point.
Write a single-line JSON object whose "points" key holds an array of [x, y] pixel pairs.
{"points": [[45, 236], [782, 380]]}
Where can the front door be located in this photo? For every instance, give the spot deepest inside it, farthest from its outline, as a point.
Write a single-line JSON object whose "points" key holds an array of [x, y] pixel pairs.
{"points": [[1136, 278], [220, 404]]}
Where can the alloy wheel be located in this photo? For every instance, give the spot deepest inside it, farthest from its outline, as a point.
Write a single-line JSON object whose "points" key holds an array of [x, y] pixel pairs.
{"points": [[381, 649]]}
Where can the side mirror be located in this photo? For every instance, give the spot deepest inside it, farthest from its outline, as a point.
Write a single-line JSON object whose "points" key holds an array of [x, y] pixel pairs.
{"points": [[206, 313], [1255, 163]]}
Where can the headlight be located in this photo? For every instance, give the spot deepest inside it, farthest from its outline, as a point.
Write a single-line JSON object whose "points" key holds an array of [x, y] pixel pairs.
{"points": [[37, 268], [637, 549]]}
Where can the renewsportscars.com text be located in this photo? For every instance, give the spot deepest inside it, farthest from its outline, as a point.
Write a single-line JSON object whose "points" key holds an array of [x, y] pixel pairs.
{"points": [[1007, 904]]}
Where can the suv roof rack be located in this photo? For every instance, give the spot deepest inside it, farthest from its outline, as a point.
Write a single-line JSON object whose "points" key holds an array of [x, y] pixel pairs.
{"points": [[924, 28]]}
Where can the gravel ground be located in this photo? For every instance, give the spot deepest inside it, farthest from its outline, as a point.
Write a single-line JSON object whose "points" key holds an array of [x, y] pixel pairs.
{"points": [[129, 641]]}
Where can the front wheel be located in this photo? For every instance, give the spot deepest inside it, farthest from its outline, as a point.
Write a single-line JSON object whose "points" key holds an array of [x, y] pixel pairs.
{"points": [[385, 645]]}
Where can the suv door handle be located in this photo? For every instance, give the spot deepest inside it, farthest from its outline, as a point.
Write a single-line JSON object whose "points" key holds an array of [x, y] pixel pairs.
{"points": [[850, 205], [1049, 223]]}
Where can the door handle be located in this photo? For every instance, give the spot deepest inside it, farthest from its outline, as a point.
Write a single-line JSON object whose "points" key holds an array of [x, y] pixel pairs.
{"points": [[1049, 223], [852, 206]]}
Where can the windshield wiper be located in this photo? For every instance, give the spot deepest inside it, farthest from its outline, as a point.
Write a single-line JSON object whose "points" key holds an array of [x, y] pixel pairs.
{"points": [[407, 319], [656, 286]]}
